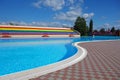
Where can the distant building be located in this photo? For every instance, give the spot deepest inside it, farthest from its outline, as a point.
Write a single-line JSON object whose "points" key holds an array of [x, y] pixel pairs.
{"points": [[107, 33]]}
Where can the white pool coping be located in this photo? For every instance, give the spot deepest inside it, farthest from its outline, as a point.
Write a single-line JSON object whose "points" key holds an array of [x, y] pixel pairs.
{"points": [[35, 72]]}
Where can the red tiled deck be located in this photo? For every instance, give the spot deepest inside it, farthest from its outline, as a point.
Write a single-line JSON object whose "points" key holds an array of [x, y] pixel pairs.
{"points": [[101, 63]]}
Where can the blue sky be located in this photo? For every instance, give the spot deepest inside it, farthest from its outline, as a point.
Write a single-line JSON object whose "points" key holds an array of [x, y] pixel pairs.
{"points": [[59, 13]]}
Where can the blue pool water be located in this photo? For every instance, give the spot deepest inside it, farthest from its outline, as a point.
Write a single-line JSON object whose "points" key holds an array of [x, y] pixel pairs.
{"points": [[22, 54]]}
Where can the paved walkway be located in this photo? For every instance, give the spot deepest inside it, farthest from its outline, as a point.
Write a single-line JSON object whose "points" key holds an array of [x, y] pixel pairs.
{"points": [[101, 63]]}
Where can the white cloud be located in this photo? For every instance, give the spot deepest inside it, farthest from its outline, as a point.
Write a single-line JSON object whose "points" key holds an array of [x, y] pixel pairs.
{"points": [[71, 1], [91, 14], [88, 15], [54, 4], [106, 24], [82, 1], [118, 21], [3, 23], [117, 26], [85, 15], [37, 4], [69, 10], [57, 4], [74, 10], [86, 7], [103, 17], [69, 15], [39, 24], [14, 22], [47, 24], [42, 24]]}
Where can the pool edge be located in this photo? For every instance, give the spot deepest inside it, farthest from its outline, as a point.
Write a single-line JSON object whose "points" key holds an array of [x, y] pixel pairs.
{"points": [[32, 73]]}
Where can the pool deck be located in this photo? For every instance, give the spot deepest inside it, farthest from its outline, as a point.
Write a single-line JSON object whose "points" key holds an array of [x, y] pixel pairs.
{"points": [[101, 63]]}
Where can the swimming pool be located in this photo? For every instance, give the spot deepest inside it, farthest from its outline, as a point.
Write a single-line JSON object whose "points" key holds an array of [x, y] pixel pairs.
{"points": [[23, 54]]}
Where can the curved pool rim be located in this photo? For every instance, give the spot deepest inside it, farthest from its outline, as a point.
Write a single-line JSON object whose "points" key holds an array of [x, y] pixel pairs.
{"points": [[35, 72]]}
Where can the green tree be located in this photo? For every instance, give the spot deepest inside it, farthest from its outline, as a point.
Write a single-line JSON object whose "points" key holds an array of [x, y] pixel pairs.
{"points": [[11, 23], [102, 30], [80, 26], [87, 30], [117, 32], [95, 31], [91, 27], [112, 29]]}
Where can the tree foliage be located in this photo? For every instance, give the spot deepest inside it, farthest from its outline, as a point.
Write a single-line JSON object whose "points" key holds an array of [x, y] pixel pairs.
{"points": [[95, 31], [11, 23], [91, 27], [112, 29], [102, 30], [80, 26]]}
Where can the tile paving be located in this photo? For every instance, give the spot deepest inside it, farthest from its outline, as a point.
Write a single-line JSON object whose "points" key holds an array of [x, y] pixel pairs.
{"points": [[101, 63]]}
